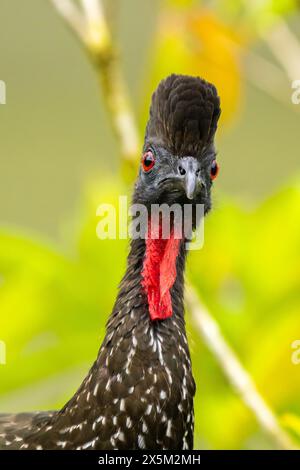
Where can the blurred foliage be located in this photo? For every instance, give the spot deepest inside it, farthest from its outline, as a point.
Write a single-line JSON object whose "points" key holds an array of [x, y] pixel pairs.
{"points": [[54, 304], [249, 276]]}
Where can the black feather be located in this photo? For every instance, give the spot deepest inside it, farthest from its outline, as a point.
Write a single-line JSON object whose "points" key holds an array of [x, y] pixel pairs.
{"points": [[184, 115]]}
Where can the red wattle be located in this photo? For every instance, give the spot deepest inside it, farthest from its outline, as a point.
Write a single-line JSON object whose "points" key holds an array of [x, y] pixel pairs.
{"points": [[159, 274]]}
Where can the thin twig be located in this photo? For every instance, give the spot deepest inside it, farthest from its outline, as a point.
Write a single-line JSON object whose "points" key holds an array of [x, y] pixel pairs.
{"points": [[92, 30], [98, 34], [234, 371], [285, 46], [93, 10], [263, 74], [267, 77], [102, 49], [72, 15]]}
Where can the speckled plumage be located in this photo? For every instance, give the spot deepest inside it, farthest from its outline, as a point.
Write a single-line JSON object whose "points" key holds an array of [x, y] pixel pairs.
{"points": [[128, 399], [139, 392]]}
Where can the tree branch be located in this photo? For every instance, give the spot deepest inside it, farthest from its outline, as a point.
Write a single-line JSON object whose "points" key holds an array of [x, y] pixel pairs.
{"points": [[267, 77], [234, 371], [71, 14], [91, 28], [285, 47], [99, 43], [264, 74]]}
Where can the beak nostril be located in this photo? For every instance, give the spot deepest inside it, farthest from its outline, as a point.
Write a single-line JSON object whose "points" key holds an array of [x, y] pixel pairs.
{"points": [[181, 170]]}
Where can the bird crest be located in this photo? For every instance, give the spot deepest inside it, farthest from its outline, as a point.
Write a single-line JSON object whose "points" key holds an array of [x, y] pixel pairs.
{"points": [[184, 114]]}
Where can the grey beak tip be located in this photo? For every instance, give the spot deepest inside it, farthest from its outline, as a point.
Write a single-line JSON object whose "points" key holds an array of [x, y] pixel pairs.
{"points": [[190, 186]]}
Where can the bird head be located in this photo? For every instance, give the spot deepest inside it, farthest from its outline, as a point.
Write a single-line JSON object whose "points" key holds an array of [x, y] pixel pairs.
{"points": [[178, 163], [178, 166]]}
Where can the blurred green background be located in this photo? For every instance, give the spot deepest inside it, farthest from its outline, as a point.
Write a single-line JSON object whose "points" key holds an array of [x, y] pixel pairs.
{"points": [[59, 160]]}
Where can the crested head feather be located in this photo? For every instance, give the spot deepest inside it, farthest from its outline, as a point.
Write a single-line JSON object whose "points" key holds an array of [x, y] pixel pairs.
{"points": [[184, 114]]}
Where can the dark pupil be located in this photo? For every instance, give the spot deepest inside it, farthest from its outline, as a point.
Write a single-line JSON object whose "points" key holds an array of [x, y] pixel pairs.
{"points": [[214, 169], [148, 161]]}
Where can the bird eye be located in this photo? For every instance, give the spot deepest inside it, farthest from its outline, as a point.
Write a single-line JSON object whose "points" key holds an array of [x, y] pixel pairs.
{"points": [[148, 160], [214, 170]]}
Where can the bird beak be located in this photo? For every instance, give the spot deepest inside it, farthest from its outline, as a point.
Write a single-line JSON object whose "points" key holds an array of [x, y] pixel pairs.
{"points": [[190, 183]]}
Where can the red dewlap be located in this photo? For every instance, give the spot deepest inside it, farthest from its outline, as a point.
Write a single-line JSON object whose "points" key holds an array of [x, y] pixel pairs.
{"points": [[159, 274]]}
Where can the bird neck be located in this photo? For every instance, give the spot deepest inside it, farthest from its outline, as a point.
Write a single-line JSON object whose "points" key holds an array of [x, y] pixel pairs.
{"points": [[155, 277]]}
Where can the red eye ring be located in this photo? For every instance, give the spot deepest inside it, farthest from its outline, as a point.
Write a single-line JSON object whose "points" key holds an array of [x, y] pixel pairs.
{"points": [[214, 170], [148, 161]]}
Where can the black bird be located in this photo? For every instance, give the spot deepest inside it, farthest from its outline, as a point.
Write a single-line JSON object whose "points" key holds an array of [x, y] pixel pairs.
{"points": [[139, 392]]}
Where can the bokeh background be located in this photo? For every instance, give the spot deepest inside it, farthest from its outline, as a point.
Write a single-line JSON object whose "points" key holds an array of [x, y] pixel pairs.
{"points": [[59, 160]]}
